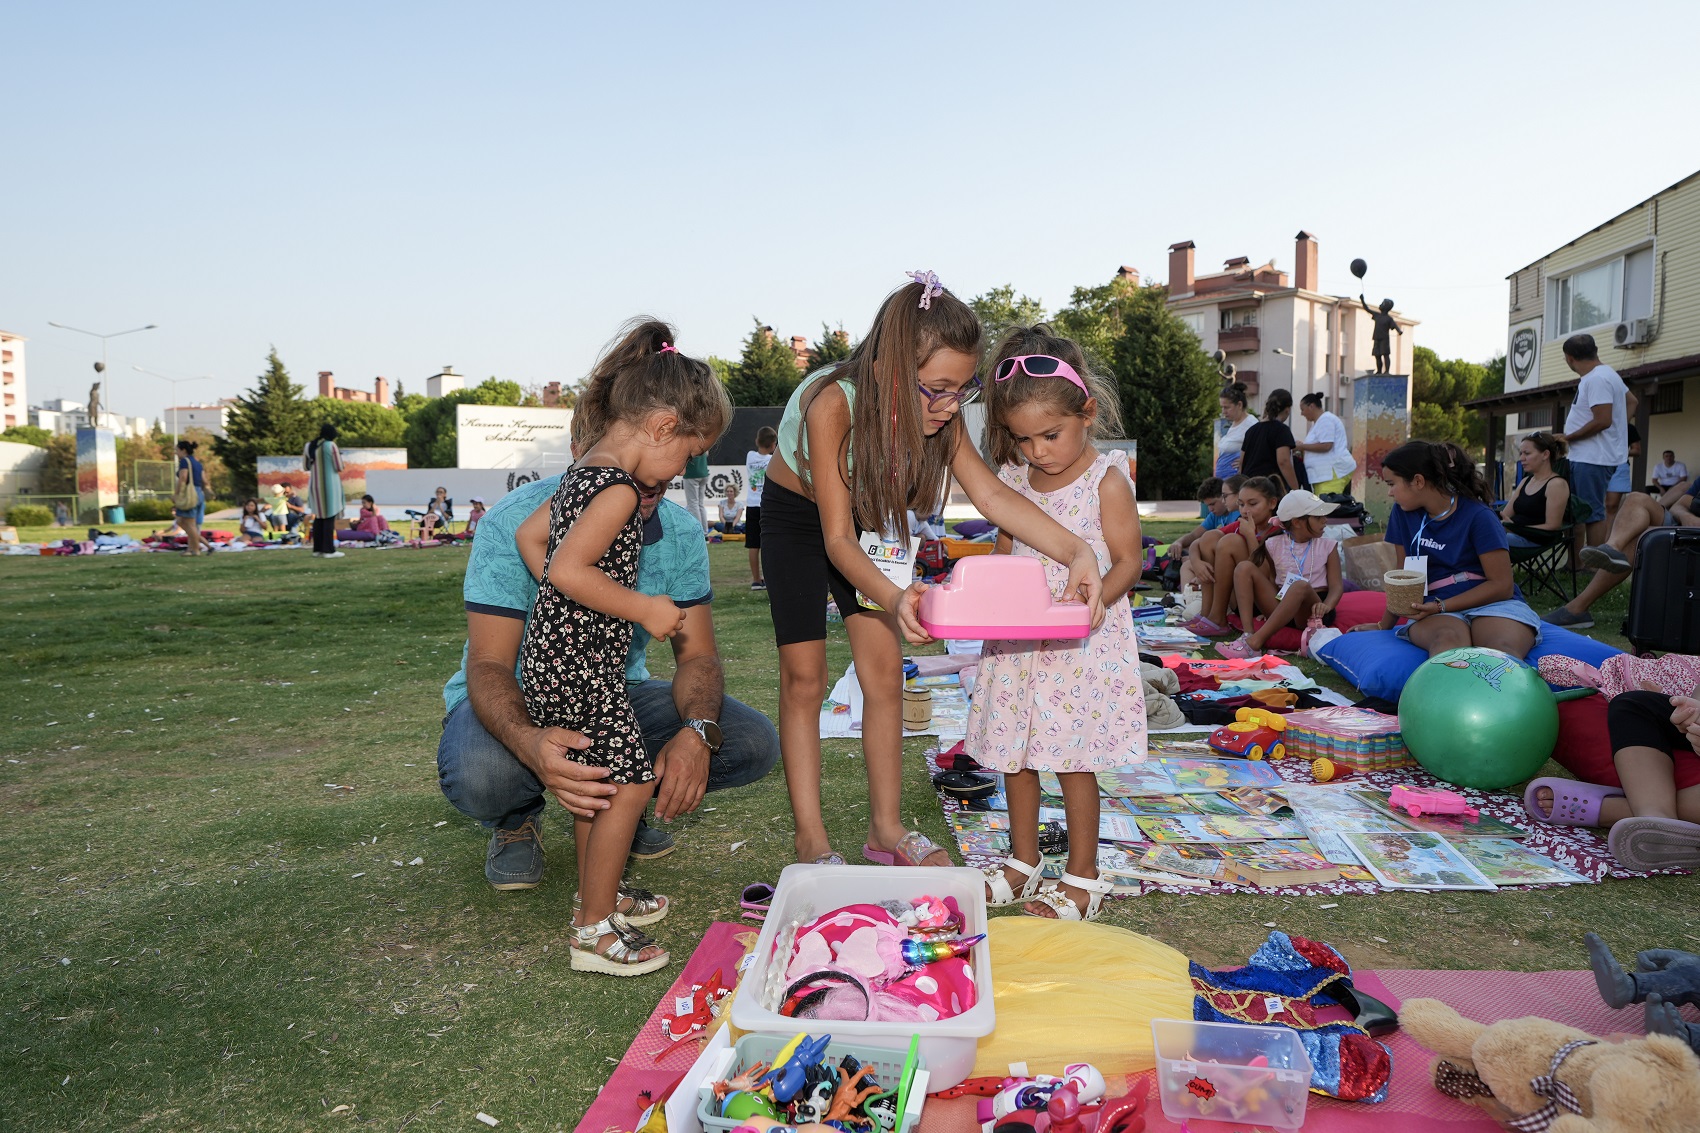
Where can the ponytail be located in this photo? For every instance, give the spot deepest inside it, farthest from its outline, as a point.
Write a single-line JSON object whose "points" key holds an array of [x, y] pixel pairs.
{"points": [[642, 371], [1445, 466]]}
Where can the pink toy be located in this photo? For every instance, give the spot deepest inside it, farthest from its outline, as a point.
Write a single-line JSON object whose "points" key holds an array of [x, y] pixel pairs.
{"points": [[1005, 597], [1417, 801]]}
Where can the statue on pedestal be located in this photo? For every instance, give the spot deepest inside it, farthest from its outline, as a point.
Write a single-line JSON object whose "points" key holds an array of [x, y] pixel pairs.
{"points": [[94, 406], [1380, 344]]}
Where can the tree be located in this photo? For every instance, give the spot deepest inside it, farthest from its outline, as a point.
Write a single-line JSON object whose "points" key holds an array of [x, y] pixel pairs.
{"points": [[27, 435], [407, 404], [766, 372], [59, 471], [1438, 389], [832, 346], [1000, 308], [269, 420], [360, 424], [432, 440]]}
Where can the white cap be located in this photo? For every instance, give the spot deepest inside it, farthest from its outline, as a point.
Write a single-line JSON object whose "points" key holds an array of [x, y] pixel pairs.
{"points": [[1301, 502]]}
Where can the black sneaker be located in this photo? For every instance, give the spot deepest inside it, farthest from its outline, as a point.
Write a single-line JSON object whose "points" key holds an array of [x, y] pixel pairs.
{"points": [[515, 857], [649, 843]]}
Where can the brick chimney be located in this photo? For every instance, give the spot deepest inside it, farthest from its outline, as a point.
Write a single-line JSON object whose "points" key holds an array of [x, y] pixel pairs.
{"points": [[1304, 262], [381, 390], [800, 350], [1180, 268], [1130, 274], [551, 395], [327, 384]]}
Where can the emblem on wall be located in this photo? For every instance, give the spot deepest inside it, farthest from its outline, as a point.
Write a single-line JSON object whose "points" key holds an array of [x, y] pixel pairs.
{"points": [[1523, 355]]}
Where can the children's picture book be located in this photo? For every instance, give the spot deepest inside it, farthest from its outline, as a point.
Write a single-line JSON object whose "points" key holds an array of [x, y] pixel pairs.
{"points": [[1134, 779], [1282, 863], [1111, 827], [1328, 812], [980, 819], [1219, 803], [1416, 860], [1215, 828], [1506, 861], [1154, 804], [1196, 861], [1126, 869], [1449, 825], [1213, 775], [983, 842], [1049, 785], [1254, 800]]}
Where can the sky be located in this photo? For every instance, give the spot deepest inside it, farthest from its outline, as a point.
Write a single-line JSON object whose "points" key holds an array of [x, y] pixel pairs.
{"points": [[383, 189]]}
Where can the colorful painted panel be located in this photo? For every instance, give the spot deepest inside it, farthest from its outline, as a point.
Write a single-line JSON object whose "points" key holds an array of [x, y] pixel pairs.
{"points": [[1381, 422], [356, 463], [97, 470]]}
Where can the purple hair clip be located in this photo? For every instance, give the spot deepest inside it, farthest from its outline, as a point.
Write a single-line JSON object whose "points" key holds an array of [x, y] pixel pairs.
{"points": [[667, 348], [931, 288]]}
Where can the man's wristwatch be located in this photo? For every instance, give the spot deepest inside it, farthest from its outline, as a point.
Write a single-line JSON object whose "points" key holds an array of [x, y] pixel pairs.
{"points": [[708, 730]]}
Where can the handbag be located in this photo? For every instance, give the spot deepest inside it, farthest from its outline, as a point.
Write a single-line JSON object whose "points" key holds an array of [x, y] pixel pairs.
{"points": [[185, 497]]}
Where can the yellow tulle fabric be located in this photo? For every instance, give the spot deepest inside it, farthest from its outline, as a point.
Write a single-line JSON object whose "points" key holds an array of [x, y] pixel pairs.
{"points": [[1073, 992]]}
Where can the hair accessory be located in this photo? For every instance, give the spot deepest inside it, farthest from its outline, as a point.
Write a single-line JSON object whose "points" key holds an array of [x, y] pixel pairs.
{"points": [[1039, 366], [667, 348], [931, 288]]}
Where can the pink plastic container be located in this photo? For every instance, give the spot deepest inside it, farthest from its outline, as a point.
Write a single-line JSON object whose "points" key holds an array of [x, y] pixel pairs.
{"points": [[1001, 596]]}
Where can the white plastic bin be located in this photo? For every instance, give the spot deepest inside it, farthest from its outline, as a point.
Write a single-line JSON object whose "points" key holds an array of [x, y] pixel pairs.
{"points": [[807, 891], [1204, 1071]]}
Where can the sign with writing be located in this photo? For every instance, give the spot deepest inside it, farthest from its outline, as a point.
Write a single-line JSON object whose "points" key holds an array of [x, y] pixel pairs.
{"points": [[511, 436], [1523, 356]]}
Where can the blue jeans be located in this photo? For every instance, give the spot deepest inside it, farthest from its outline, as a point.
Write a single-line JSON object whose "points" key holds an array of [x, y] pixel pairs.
{"points": [[484, 781], [1588, 482]]}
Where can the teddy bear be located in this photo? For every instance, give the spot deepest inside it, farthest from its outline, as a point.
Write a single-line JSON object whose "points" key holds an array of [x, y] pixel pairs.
{"points": [[1534, 1074]]}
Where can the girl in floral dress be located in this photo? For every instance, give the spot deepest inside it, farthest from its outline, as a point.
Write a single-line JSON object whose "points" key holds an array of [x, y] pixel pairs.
{"points": [[1072, 707]]}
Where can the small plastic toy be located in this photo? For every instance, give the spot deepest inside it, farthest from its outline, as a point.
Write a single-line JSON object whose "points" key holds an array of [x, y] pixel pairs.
{"points": [[1005, 597], [1418, 801], [919, 952], [790, 1069], [1326, 770], [693, 1015], [1255, 732]]}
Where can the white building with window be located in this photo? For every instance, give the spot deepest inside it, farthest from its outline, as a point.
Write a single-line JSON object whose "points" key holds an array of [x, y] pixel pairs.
{"points": [[1633, 283], [210, 418], [14, 389]]}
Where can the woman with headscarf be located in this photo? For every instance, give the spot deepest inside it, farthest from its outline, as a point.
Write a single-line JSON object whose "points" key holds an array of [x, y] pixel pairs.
{"points": [[323, 461]]}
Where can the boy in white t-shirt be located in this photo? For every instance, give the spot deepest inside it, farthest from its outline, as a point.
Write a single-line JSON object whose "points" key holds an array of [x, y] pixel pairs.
{"points": [[755, 475]]}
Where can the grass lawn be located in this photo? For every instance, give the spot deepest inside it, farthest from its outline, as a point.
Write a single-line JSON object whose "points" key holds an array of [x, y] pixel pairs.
{"points": [[205, 928]]}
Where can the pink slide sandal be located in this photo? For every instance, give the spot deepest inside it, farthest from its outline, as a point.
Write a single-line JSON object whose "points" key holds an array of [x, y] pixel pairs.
{"points": [[912, 849], [1574, 803]]}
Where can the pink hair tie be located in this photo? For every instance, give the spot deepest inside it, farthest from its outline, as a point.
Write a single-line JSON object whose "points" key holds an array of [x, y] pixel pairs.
{"points": [[931, 288], [667, 348]]}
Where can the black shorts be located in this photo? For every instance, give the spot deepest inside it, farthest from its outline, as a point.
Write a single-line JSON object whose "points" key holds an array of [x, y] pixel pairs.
{"points": [[752, 528], [799, 573], [1642, 719]]}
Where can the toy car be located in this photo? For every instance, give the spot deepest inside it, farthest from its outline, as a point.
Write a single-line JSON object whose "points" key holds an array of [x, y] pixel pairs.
{"points": [[1418, 801], [1255, 732]]}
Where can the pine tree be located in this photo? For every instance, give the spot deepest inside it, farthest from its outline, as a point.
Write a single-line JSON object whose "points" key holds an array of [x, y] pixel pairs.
{"points": [[269, 420], [766, 372], [832, 346], [1000, 308]]}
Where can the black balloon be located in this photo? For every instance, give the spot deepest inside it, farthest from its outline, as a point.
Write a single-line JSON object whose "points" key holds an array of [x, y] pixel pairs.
{"points": [[1358, 268]]}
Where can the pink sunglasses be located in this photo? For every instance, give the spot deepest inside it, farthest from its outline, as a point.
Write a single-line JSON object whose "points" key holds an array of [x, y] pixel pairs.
{"points": [[1038, 366]]}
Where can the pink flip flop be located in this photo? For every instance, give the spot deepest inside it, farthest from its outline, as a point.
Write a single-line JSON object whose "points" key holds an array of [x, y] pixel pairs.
{"points": [[911, 850], [1573, 803]]}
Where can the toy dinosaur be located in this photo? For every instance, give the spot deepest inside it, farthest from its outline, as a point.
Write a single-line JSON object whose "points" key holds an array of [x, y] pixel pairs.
{"points": [[849, 1097]]}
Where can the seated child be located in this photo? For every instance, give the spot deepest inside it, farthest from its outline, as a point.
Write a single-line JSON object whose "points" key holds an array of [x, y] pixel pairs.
{"points": [[1216, 555], [1293, 576], [473, 516], [1221, 499]]}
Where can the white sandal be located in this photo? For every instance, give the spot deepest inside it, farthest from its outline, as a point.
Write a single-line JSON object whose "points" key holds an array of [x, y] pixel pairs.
{"points": [[1002, 895], [646, 907], [1096, 889], [621, 959]]}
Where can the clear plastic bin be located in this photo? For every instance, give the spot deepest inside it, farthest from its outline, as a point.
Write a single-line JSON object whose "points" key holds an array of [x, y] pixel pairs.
{"points": [[807, 891], [1205, 1071], [887, 1067]]}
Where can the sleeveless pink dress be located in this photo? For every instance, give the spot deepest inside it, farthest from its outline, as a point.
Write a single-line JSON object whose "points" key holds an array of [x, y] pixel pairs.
{"points": [[1063, 705]]}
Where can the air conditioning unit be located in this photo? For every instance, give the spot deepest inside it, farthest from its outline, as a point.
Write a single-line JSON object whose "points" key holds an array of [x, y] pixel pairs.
{"points": [[1633, 332]]}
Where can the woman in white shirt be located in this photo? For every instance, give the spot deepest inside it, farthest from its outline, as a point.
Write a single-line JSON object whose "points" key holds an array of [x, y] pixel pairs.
{"points": [[1329, 462], [1240, 420]]}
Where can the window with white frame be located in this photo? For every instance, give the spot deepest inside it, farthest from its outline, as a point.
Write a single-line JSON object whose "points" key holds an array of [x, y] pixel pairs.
{"points": [[1195, 323], [1239, 317], [1601, 294]]}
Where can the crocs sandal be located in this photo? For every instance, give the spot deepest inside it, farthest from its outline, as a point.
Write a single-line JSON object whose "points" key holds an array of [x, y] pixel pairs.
{"points": [[960, 785], [911, 850], [1096, 888], [1573, 803], [1238, 649], [645, 908], [1204, 627], [755, 901], [622, 957], [1002, 896], [1645, 844]]}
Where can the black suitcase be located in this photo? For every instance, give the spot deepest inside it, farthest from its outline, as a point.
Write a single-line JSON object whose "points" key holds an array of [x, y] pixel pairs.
{"points": [[1664, 598]]}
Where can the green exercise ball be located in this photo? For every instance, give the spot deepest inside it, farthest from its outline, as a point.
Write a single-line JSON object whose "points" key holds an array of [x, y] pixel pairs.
{"points": [[1478, 718]]}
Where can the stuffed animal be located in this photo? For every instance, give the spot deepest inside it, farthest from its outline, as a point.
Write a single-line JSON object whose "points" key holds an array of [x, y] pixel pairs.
{"points": [[1663, 978], [1534, 1074]]}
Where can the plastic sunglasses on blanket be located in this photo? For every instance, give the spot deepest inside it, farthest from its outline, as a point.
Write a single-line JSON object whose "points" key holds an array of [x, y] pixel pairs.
{"points": [[1005, 597]]}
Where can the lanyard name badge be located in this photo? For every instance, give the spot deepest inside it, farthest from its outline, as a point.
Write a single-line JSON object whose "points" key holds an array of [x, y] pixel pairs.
{"points": [[1297, 575], [895, 559], [1416, 562]]}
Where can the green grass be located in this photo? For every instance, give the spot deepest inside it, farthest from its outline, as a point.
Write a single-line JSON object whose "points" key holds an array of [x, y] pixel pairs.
{"points": [[200, 934]]}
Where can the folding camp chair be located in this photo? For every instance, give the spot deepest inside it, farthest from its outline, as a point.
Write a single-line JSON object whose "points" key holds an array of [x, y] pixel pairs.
{"points": [[1541, 568]]}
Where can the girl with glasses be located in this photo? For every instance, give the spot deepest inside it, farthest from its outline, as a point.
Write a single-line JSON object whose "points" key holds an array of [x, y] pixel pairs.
{"points": [[1071, 707], [860, 444]]}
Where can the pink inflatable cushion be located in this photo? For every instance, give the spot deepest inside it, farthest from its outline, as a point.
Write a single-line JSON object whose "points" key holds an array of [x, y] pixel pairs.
{"points": [[1001, 596]]}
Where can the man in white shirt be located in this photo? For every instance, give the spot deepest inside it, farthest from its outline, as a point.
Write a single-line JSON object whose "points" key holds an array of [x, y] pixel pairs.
{"points": [[1597, 429], [1669, 472], [1329, 462]]}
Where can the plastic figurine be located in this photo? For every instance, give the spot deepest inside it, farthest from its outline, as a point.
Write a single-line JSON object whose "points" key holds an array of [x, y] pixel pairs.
{"points": [[918, 952], [1033, 1093], [704, 1003], [1255, 732], [1663, 978], [745, 1081], [789, 1074], [1418, 801], [850, 1096]]}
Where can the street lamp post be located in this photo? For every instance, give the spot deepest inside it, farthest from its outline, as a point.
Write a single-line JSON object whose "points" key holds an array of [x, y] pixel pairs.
{"points": [[100, 368], [1292, 362], [175, 382]]}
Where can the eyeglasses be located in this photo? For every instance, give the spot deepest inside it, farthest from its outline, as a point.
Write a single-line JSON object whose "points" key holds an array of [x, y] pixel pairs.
{"points": [[1039, 366], [946, 399]]}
